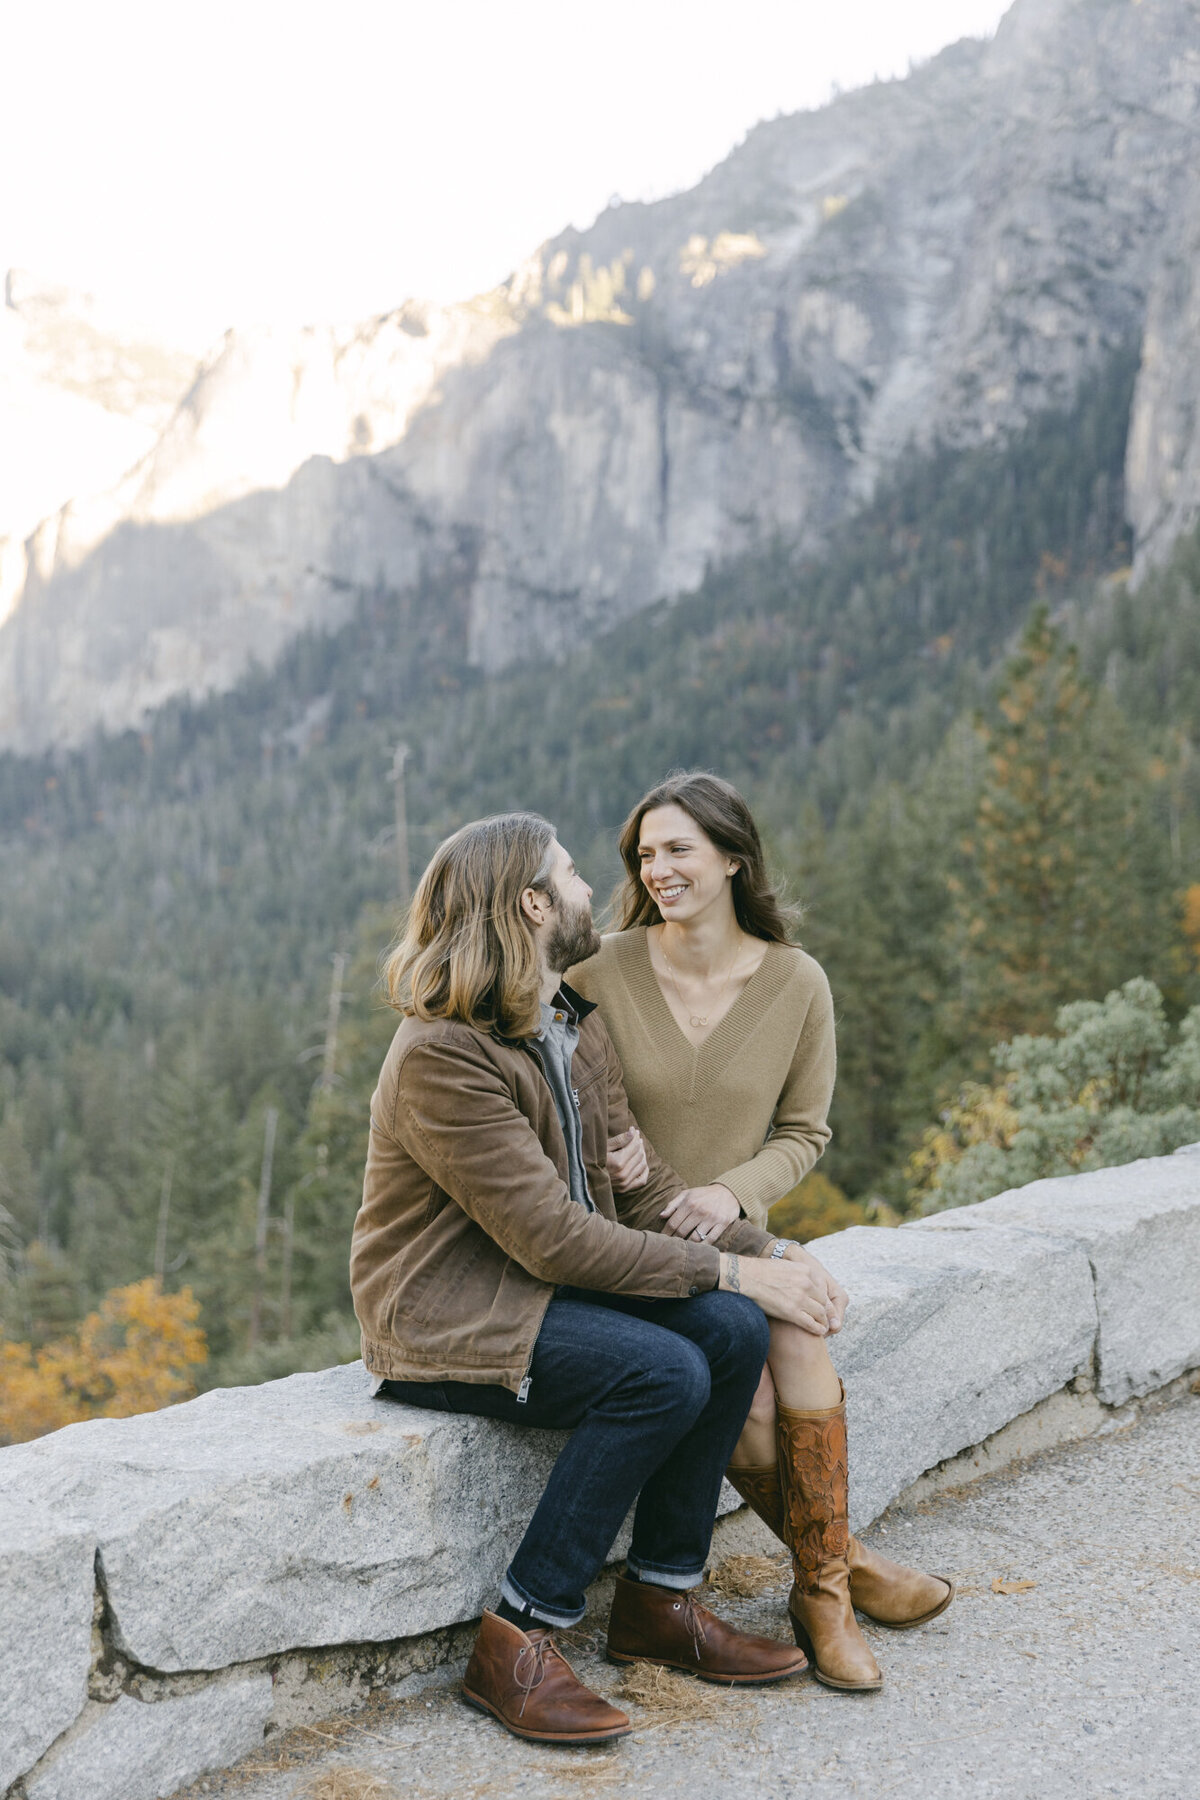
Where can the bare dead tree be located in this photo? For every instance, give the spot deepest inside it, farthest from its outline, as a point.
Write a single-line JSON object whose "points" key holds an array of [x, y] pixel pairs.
{"points": [[262, 1222], [400, 756]]}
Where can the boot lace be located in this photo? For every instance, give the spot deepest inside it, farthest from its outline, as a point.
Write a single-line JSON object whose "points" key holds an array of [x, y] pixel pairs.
{"points": [[693, 1618], [536, 1653]]}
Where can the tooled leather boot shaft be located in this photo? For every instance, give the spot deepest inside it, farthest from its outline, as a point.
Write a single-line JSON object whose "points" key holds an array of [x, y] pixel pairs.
{"points": [[816, 1488], [887, 1592], [812, 1448], [761, 1489]]}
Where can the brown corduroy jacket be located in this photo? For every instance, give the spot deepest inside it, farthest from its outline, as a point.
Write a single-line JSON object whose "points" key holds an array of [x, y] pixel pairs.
{"points": [[467, 1225]]}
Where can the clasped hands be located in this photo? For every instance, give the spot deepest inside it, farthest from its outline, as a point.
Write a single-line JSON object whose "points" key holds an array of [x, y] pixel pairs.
{"points": [[699, 1212], [794, 1287]]}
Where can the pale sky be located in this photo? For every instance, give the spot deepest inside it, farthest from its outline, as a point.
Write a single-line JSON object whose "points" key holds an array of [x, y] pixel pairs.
{"points": [[202, 163]]}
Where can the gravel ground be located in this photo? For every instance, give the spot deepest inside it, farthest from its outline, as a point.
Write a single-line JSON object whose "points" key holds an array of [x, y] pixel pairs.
{"points": [[1082, 1685]]}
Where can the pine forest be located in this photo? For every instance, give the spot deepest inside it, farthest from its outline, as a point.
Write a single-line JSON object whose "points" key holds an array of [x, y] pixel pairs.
{"points": [[970, 745]]}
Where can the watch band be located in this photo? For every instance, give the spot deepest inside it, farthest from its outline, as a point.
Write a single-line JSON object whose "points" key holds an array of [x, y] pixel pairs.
{"points": [[780, 1245]]}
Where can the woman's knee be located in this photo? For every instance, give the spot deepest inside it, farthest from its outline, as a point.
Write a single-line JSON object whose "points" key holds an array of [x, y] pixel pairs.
{"points": [[793, 1347]]}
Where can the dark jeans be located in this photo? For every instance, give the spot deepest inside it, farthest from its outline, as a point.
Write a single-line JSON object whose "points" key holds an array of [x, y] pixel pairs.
{"points": [[655, 1394]]}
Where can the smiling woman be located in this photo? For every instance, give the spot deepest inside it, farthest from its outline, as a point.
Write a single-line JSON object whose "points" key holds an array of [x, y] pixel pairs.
{"points": [[725, 1033], [724, 1027]]}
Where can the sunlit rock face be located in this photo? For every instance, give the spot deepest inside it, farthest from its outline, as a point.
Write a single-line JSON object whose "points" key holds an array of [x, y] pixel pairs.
{"points": [[81, 400], [928, 260], [260, 510]]}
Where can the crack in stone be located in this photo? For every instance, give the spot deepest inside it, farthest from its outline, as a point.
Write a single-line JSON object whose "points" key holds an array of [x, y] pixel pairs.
{"points": [[109, 1671]]}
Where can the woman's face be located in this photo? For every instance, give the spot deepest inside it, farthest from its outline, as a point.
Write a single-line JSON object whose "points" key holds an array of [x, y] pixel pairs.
{"points": [[683, 871]]}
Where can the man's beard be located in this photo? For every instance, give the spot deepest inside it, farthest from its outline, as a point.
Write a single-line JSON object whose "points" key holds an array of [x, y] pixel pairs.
{"points": [[571, 939]]}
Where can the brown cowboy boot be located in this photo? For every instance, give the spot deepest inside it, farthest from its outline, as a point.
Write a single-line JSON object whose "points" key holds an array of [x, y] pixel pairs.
{"points": [[761, 1489], [523, 1679], [812, 1464], [891, 1594], [885, 1591], [665, 1626]]}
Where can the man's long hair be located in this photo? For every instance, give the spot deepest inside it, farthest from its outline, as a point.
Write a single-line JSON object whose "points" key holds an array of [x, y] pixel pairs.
{"points": [[467, 951], [722, 815]]}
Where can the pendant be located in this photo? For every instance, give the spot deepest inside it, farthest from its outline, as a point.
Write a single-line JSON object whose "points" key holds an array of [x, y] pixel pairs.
{"points": [[696, 1023]]}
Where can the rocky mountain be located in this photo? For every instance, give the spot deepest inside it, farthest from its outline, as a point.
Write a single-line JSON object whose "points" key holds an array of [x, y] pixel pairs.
{"points": [[82, 398], [1162, 467], [923, 261]]}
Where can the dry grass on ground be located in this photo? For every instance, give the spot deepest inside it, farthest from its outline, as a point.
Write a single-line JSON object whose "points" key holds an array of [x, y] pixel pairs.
{"points": [[746, 1577], [299, 1745], [671, 1699], [350, 1784]]}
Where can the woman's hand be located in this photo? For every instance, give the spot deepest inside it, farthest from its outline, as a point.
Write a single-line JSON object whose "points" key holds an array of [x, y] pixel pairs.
{"points": [[700, 1212], [626, 1162], [836, 1297]]}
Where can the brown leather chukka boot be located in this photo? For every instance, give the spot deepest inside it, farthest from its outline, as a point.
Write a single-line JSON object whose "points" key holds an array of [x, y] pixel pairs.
{"points": [[813, 1467], [523, 1679], [665, 1626], [886, 1591]]}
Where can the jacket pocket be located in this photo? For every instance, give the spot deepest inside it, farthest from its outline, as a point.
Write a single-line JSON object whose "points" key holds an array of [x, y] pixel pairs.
{"points": [[434, 1303], [434, 1204]]}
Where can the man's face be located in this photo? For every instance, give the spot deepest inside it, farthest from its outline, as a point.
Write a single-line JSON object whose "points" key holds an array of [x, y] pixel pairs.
{"points": [[570, 935]]}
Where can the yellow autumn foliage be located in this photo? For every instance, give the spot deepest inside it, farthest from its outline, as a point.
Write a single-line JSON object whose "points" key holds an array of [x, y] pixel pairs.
{"points": [[134, 1355], [979, 1114], [1191, 918], [817, 1206]]}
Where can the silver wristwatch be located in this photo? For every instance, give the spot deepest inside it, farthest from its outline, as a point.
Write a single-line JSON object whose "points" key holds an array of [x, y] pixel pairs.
{"points": [[780, 1245]]}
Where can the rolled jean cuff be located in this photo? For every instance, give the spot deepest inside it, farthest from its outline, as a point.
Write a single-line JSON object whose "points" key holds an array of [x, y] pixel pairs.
{"points": [[515, 1594], [660, 1577]]}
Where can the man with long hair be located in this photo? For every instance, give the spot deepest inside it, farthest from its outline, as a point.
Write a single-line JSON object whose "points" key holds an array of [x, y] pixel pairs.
{"points": [[493, 1272]]}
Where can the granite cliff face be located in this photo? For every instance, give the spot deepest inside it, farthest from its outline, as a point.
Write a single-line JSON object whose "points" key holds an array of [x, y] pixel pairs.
{"points": [[81, 399], [1162, 465], [933, 259], [259, 510]]}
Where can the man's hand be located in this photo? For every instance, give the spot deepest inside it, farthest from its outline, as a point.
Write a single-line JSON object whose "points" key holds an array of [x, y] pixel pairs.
{"points": [[700, 1212], [626, 1162], [836, 1297], [784, 1288]]}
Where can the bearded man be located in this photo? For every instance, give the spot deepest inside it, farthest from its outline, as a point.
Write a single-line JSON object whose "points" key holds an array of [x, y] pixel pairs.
{"points": [[493, 1272]]}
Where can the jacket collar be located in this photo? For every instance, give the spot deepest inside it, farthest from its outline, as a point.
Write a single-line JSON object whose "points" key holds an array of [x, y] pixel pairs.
{"points": [[578, 1005]]}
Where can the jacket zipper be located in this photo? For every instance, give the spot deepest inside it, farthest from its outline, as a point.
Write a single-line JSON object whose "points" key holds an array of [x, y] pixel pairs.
{"points": [[527, 1380]]}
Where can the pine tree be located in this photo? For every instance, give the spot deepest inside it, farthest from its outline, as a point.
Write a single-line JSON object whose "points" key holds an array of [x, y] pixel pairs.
{"points": [[1109, 1088], [1064, 888], [332, 1149], [192, 1153]]}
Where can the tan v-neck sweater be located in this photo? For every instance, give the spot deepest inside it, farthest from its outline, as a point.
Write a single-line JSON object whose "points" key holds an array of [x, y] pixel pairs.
{"points": [[748, 1107]]}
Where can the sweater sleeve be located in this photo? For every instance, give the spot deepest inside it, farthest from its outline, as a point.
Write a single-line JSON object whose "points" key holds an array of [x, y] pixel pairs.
{"points": [[799, 1124]]}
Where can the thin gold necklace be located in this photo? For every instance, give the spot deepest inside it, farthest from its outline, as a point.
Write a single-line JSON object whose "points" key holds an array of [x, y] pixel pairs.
{"points": [[698, 1021]]}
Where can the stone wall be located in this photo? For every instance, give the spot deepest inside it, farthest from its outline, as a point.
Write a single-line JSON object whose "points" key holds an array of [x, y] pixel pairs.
{"points": [[174, 1585]]}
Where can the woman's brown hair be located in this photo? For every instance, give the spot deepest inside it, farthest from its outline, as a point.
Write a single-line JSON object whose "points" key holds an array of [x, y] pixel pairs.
{"points": [[467, 952], [722, 815]]}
